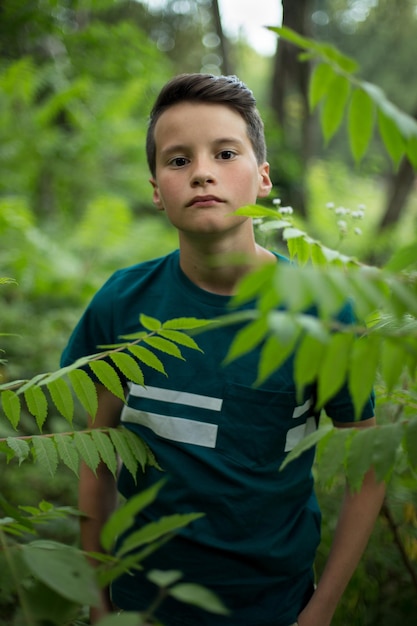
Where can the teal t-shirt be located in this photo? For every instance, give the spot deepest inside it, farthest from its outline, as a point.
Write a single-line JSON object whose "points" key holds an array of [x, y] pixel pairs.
{"points": [[220, 442]]}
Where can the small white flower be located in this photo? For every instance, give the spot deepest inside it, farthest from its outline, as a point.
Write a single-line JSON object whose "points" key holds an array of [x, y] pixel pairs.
{"points": [[342, 211], [359, 214], [330, 205], [276, 201], [357, 231], [361, 207], [342, 225], [285, 210]]}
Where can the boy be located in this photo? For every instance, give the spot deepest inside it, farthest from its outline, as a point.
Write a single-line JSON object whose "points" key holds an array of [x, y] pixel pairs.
{"points": [[219, 440]]}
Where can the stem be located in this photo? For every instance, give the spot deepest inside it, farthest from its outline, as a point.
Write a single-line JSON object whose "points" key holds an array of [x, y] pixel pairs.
{"points": [[16, 576], [387, 513]]}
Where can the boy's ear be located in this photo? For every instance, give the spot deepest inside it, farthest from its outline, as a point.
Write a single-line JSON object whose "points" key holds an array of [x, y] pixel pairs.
{"points": [[265, 184], [156, 198]]}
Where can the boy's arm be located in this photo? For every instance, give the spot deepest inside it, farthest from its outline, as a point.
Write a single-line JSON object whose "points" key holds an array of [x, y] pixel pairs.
{"points": [[356, 520], [97, 495]]}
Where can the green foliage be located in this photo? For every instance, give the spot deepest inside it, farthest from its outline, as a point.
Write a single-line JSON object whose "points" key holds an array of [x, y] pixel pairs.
{"points": [[335, 84]]}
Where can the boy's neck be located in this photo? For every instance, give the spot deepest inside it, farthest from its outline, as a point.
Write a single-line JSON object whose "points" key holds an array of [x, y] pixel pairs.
{"points": [[218, 266]]}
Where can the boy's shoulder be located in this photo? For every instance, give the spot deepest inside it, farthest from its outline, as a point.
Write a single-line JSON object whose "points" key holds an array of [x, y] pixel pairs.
{"points": [[139, 271]]}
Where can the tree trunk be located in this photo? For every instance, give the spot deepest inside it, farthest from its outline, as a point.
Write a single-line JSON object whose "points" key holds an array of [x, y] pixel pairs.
{"points": [[224, 47], [400, 187], [291, 77]]}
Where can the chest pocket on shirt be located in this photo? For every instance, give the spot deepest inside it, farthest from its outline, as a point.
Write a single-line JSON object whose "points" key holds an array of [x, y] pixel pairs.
{"points": [[259, 426]]}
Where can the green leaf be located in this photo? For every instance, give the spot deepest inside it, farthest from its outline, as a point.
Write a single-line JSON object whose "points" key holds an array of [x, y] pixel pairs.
{"points": [[11, 406], [105, 449], [411, 149], [148, 358], [20, 447], [37, 404], [179, 337], [307, 362], [124, 517], [391, 137], [108, 377], [321, 78], [363, 369], [186, 323], [393, 360], [123, 448], [333, 368], [386, 441], [150, 323], [165, 346], [45, 453], [274, 353], [253, 283], [87, 450], [164, 578], [63, 569], [129, 367], [308, 442], [256, 211], [85, 390], [247, 339], [67, 452], [403, 258], [331, 454], [140, 450], [155, 530], [410, 442], [62, 398], [198, 596], [334, 106], [360, 123]]}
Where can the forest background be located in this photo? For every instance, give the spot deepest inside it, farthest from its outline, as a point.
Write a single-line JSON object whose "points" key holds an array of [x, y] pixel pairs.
{"points": [[77, 80]]}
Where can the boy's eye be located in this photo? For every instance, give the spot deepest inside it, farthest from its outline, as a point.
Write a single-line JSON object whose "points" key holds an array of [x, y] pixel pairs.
{"points": [[226, 155], [178, 162]]}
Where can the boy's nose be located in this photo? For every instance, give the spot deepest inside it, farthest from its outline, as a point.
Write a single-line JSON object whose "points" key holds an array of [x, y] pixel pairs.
{"points": [[201, 179], [202, 174]]}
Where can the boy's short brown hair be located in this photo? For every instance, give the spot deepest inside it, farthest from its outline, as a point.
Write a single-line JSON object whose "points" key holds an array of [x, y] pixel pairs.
{"points": [[207, 88]]}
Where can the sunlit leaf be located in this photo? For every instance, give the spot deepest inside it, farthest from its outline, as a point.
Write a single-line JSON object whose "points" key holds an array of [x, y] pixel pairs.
{"points": [[393, 360], [150, 323], [108, 377], [178, 337], [129, 367], [308, 442], [148, 358], [159, 343]]}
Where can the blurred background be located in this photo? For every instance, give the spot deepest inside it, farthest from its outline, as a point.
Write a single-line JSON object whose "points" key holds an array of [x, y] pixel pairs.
{"points": [[77, 80]]}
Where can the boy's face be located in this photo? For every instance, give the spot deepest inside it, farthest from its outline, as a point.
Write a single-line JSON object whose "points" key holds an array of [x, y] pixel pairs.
{"points": [[206, 168]]}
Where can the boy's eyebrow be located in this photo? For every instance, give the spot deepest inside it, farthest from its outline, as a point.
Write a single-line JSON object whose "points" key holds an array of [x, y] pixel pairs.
{"points": [[180, 147]]}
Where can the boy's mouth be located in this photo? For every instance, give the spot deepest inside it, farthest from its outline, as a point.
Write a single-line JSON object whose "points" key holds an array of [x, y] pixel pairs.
{"points": [[204, 201]]}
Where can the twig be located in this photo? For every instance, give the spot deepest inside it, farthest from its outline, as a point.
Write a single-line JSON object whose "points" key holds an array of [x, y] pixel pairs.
{"points": [[386, 511]]}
